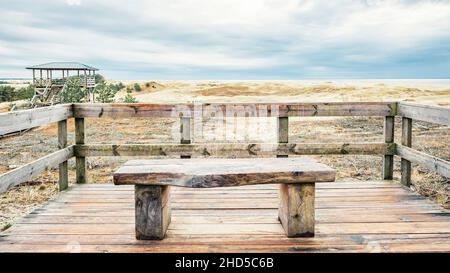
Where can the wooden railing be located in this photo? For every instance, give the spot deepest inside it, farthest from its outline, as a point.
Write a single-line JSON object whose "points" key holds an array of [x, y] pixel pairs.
{"points": [[408, 112], [86, 81], [20, 120]]}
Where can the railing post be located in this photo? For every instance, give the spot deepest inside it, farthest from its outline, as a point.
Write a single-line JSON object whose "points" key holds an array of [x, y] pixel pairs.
{"points": [[283, 131], [185, 130], [63, 180], [80, 161], [406, 141], [388, 161]]}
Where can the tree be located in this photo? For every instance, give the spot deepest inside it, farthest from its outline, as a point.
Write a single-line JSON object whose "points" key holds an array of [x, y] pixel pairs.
{"points": [[137, 87], [129, 99], [104, 93], [72, 91], [9, 93], [99, 79], [6, 93], [25, 93]]}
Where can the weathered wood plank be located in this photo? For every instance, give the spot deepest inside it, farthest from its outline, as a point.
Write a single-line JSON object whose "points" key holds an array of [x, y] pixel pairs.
{"points": [[116, 110], [224, 229], [296, 209], [341, 185], [428, 113], [260, 247], [11, 122], [233, 149], [267, 216], [295, 109], [432, 163], [185, 131], [406, 141], [63, 179], [206, 173], [29, 171], [241, 201], [128, 239], [231, 202], [270, 242], [152, 214], [388, 161], [283, 132], [351, 211], [240, 196], [356, 194], [80, 161]]}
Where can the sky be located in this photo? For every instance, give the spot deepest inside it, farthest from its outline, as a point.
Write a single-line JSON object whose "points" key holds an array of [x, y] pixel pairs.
{"points": [[230, 39]]}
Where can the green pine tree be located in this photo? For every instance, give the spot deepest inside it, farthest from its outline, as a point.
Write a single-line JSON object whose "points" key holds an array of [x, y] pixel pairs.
{"points": [[137, 87], [72, 91], [104, 93], [129, 99]]}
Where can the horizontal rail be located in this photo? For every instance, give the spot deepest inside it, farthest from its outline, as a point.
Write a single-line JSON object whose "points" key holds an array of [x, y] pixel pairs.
{"points": [[28, 171], [233, 149], [428, 113], [20, 120], [11, 122], [432, 163], [117, 110]]}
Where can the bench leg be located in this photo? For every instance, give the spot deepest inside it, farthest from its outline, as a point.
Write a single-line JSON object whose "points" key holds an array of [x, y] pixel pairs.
{"points": [[296, 210], [152, 206]]}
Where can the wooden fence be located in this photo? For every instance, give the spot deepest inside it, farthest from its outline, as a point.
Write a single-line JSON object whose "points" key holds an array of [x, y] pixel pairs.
{"points": [[20, 120]]}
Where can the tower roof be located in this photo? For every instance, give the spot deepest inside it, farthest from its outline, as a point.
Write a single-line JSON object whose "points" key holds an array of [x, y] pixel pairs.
{"points": [[62, 66]]}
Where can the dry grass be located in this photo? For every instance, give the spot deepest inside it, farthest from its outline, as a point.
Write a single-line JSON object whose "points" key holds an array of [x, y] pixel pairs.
{"points": [[25, 198], [429, 138], [291, 91]]}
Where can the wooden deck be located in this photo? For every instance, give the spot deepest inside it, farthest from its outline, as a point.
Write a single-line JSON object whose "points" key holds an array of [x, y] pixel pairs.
{"points": [[351, 217]]}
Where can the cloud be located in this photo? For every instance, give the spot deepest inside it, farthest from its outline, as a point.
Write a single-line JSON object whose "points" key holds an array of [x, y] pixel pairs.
{"points": [[73, 2], [230, 39]]}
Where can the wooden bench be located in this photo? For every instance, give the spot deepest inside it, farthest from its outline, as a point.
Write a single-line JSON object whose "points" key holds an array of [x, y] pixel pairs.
{"points": [[153, 178]]}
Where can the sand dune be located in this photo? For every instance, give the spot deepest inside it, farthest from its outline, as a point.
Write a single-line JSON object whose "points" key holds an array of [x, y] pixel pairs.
{"points": [[429, 92]]}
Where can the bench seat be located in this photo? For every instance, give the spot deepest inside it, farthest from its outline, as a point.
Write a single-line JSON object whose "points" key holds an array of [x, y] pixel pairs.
{"points": [[153, 178]]}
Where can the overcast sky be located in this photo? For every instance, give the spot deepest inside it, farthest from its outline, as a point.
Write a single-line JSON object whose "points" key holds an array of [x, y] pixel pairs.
{"points": [[230, 39]]}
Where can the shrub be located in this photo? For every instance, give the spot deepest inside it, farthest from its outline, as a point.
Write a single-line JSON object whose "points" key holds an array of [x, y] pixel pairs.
{"points": [[25, 93], [99, 79], [104, 93], [9, 93], [117, 87], [6, 93], [129, 99], [137, 87], [72, 91]]}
